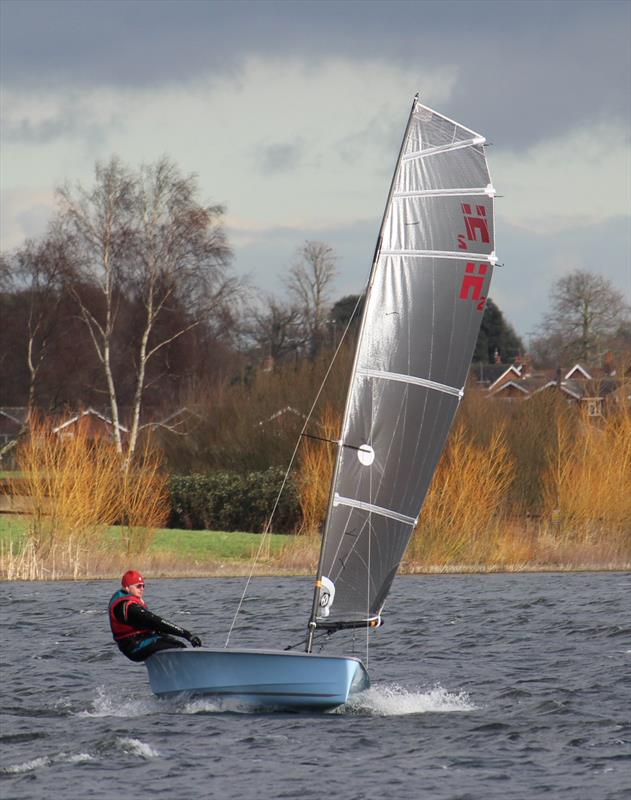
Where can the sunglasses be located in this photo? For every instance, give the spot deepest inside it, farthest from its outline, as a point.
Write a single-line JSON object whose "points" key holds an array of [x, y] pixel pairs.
{"points": [[139, 585]]}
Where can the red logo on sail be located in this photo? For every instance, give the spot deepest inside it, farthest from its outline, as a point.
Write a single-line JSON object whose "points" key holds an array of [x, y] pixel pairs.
{"points": [[476, 225], [473, 283]]}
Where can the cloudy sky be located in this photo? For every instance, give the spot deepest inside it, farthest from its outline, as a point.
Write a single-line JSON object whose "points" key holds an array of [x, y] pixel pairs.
{"points": [[291, 114]]}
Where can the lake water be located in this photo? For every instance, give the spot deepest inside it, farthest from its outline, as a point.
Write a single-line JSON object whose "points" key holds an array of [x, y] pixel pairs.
{"points": [[484, 686]]}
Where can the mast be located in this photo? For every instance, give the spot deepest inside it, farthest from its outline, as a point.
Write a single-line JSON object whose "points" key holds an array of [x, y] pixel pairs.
{"points": [[311, 628]]}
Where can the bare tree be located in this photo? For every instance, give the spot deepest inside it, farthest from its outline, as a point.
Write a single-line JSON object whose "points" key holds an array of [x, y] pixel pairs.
{"points": [[275, 329], [41, 270], [585, 311], [309, 283], [145, 237], [32, 277]]}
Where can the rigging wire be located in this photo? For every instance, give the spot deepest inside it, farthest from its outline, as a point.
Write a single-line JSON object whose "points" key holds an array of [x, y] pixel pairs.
{"points": [[266, 531]]}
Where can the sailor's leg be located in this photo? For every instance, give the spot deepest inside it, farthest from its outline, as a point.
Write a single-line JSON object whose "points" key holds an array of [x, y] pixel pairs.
{"points": [[153, 644]]}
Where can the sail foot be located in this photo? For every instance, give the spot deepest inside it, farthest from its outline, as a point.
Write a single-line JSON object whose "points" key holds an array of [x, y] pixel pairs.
{"points": [[332, 626]]}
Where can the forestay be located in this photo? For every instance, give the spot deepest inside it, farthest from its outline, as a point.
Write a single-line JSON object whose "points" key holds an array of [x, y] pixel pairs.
{"points": [[426, 295]]}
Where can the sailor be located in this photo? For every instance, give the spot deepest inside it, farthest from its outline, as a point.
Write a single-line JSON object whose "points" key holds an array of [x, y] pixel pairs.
{"points": [[137, 632]]}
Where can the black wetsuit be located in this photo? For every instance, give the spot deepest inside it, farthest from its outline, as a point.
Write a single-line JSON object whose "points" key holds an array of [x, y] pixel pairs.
{"points": [[154, 633]]}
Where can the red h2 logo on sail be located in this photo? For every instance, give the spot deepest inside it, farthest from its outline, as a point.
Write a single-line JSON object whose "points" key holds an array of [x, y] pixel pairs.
{"points": [[475, 223], [477, 230], [473, 283]]}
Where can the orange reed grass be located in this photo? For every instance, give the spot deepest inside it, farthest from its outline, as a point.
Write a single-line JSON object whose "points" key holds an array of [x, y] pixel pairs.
{"points": [[317, 461], [77, 488], [459, 519]]}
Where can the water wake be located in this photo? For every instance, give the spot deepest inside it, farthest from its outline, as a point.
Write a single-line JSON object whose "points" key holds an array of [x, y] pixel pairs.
{"points": [[109, 704], [124, 744], [136, 748], [46, 761], [391, 700]]}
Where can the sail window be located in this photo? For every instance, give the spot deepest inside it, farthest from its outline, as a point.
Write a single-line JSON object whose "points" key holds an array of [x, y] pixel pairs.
{"points": [[365, 454]]}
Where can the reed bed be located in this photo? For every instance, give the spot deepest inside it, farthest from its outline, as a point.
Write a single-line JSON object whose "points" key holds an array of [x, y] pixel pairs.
{"points": [[531, 485], [520, 486], [78, 488], [461, 515], [586, 487], [316, 464]]}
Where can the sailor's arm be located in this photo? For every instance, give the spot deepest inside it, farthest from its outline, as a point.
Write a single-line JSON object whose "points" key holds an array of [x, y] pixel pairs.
{"points": [[143, 618]]}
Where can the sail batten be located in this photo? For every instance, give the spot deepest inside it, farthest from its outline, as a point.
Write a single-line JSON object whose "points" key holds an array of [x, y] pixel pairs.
{"points": [[445, 192], [373, 509], [424, 303], [432, 151], [455, 254], [395, 376]]}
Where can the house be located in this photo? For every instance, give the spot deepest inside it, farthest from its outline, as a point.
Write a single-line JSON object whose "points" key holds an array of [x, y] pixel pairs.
{"points": [[593, 388], [279, 417], [94, 424], [183, 420], [486, 375], [12, 422]]}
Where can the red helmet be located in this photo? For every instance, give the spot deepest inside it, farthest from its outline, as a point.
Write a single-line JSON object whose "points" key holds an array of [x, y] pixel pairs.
{"points": [[131, 577]]}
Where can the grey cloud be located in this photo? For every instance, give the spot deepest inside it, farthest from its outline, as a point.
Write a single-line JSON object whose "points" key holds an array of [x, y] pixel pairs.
{"points": [[26, 131], [526, 70], [280, 157]]}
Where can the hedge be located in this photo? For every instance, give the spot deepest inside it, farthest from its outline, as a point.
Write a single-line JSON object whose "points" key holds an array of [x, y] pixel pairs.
{"points": [[232, 501]]}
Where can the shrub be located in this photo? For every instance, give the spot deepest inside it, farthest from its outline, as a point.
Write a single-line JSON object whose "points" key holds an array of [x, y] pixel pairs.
{"points": [[229, 501]]}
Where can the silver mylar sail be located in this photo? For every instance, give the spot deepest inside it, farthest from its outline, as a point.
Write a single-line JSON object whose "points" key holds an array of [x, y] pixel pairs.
{"points": [[426, 295]]}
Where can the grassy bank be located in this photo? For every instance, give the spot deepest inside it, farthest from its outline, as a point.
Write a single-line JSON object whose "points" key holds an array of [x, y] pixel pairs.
{"points": [[171, 553], [522, 546]]}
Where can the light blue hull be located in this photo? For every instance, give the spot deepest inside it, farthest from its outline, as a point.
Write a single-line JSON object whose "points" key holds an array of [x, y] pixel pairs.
{"points": [[261, 678]]}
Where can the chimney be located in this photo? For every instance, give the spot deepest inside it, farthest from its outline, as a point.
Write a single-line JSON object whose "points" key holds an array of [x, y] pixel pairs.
{"points": [[608, 363]]}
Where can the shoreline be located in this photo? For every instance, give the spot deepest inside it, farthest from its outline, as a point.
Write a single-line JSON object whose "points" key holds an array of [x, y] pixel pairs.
{"points": [[243, 571]]}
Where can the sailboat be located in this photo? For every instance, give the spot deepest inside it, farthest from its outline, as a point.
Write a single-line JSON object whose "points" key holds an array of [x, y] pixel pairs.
{"points": [[424, 302]]}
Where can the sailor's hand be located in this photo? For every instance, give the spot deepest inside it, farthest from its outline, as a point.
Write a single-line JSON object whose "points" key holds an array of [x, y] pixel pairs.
{"points": [[194, 640]]}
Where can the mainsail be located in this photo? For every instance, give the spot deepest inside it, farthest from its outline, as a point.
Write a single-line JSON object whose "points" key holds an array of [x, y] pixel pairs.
{"points": [[426, 295]]}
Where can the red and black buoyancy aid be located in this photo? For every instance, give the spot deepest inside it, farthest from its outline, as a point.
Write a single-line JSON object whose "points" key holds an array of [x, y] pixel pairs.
{"points": [[121, 630]]}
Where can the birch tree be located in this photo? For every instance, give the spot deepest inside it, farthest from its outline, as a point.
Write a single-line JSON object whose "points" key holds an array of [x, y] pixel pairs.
{"points": [[144, 236], [99, 223], [180, 258]]}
